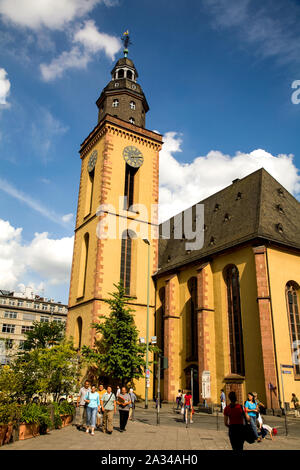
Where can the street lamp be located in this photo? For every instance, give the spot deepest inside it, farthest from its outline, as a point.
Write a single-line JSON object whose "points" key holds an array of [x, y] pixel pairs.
{"points": [[147, 377]]}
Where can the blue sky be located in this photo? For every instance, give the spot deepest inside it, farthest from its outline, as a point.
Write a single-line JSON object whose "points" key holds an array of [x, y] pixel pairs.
{"points": [[217, 75]]}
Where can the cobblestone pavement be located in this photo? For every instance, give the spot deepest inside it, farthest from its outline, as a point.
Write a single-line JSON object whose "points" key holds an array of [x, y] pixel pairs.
{"points": [[171, 434]]}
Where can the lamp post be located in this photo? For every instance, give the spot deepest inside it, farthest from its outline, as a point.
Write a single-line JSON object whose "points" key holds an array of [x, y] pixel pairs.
{"points": [[147, 325]]}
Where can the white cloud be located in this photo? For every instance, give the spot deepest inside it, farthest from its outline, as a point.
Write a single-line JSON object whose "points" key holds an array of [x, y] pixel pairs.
{"points": [[88, 41], [67, 218], [46, 258], [4, 87], [52, 14], [94, 41], [270, 28], [29, 201], [73, 59], [44, 130], [184, 184]]}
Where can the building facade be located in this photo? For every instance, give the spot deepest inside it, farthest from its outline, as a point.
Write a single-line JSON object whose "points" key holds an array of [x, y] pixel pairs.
{"points": [[18, 311], [226, 315], [119, 172], [229, 312]]}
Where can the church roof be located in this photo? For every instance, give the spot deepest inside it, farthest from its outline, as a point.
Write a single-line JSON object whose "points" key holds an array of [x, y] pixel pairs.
{"points": [[254, 208]]}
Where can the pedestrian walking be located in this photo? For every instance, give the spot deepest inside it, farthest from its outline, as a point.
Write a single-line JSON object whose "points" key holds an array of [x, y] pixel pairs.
{"points": [[188, 405], [223, 400], [118, 391], [123, 400], [101, 392], [296, 404], [234, 415], [81, 405], [109, 407], [132, 405], [93, 406], [178, 399], [251, 408]]}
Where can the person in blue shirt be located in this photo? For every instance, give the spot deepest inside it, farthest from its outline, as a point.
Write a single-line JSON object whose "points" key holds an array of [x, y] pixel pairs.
{"points": [[93, 406], [251, 407]]}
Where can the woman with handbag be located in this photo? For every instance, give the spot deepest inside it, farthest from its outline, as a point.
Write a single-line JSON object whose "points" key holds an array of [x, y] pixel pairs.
{"points": [[234, 416], [93, 405]]}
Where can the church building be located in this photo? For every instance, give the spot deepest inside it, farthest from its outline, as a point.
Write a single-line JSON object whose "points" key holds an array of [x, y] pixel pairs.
{"points": [[227, 315]]}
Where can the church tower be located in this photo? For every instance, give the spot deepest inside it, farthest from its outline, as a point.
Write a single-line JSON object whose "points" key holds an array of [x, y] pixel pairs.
{"points": [[119, 172]]}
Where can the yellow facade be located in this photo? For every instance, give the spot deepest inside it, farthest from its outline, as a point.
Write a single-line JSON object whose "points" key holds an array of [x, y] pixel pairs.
{"points": [[283, 267], [96, 268]]}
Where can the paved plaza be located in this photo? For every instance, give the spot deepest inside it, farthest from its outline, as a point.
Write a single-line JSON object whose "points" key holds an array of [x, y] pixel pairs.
{"points": [[206, 433]]}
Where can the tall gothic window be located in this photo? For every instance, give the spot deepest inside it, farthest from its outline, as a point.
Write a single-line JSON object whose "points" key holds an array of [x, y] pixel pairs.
{"points": [[160, 323], [292, 292], [235, 320], [192, 319], [126, 255], [83, 265], [89, 192], [129, 186]]}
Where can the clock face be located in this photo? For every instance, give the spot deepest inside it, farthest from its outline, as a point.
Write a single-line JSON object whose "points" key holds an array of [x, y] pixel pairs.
{"points": [[92, 161], [133, 156]]}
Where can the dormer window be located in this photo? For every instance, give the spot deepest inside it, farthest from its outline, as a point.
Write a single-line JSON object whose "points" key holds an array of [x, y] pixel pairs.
{"points": [[131, 120], [115, 103], [132, 105]]}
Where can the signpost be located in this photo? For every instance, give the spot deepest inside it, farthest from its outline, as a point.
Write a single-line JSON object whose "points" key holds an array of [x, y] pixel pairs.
{"points": [[285, 369], [205, 385]]}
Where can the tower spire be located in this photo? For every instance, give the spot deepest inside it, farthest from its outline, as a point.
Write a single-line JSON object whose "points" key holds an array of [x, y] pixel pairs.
{"points": [[126, 41]]}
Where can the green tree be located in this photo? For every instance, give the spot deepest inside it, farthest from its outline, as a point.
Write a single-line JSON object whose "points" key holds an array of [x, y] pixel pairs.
{"points": [[118, 353], [53, 370], [44, 335]]}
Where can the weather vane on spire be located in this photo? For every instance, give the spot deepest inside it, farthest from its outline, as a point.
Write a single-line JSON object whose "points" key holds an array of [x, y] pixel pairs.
{"points": [[126, 41]]}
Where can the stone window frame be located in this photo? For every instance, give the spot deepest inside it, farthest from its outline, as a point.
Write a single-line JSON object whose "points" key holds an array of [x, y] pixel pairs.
{"points": [[236, 343], [293, 289], [9, 328], [115, 103]]}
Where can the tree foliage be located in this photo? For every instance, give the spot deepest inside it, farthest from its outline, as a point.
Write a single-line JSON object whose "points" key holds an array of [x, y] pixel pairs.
{"points": [[118, 353], [44, 335], [47, 371]]}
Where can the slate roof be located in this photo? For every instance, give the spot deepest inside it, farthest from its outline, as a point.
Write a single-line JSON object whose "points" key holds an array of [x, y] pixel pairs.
{"points": [[252, 208]]}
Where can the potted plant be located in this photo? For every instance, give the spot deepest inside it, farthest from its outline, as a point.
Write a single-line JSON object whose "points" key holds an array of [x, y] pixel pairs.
{"points": [[66, 411], [13, 411], [4, 419], [34, 420]]}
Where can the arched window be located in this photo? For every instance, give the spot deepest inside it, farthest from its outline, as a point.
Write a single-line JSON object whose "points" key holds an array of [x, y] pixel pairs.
{"points": [[292, 293], [160, 321], [121, 73], [235, 320], [115, 103], [78, 334], [192, 336], [126, 254], [131, 120], [129, 74], [83, 265], [132, 105], [129, 187], [89, 192]]}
